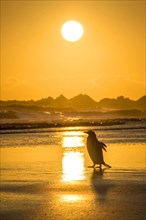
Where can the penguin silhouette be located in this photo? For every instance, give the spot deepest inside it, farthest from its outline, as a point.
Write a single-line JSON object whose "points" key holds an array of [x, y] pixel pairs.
{"points": [[94, 148]]}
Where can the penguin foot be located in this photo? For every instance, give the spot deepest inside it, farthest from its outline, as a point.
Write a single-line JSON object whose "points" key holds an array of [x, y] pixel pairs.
{"points": [[108, 166]]}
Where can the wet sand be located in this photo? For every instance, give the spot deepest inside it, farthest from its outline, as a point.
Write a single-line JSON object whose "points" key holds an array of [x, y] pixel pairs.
{"points": [[108, 196], [55, 188]]}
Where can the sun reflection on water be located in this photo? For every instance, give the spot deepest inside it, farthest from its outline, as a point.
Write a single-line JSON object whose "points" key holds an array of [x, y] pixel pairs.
{"points": [[73, 166], [73, 157], [73, 139]]}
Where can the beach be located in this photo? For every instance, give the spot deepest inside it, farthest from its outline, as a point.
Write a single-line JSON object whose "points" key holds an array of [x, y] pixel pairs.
{"points": [[55, 181], [103, 197]]}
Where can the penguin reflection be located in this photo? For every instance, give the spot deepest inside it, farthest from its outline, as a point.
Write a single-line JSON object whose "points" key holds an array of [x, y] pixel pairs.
{"points": [[94, 148], [99, 185]]}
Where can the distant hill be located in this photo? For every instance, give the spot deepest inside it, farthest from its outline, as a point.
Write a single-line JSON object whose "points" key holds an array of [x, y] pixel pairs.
{"points": [[141, 103], [82, 102], [123, 103], [79, 102]]}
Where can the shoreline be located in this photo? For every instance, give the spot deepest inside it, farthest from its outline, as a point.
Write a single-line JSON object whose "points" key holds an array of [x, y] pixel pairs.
{"points": [[61, 124]]}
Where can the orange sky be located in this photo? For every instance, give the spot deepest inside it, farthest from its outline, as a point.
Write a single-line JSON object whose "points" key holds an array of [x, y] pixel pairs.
{"points": [[108, 61]]}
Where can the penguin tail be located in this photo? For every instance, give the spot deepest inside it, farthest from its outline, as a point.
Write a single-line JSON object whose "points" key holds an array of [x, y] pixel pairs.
{"points": [[105, 164]]}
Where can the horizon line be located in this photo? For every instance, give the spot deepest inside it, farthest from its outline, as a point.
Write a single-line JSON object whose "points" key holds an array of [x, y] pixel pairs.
{"points": [[73, 97]]}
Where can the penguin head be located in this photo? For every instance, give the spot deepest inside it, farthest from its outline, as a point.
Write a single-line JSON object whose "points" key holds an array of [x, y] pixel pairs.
{"points": [[91, 133]]}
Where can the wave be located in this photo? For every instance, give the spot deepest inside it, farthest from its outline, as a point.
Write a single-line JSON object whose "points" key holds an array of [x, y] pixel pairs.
{"points": [[34, 126], [83, 128]]}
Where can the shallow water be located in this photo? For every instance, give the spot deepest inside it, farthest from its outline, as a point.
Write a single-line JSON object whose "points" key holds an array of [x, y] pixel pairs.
{"points": [[130, 132], [66, 147]]}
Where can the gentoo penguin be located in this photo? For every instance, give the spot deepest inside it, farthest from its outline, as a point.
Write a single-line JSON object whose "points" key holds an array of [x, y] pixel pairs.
{"points": [[94, 148]]}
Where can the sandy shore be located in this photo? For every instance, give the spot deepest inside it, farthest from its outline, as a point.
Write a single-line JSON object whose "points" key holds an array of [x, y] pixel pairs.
{"points": [[108, 195]]}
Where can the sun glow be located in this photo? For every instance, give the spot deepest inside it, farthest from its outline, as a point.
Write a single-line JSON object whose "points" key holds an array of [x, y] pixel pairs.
{"points": [[72, 30]]}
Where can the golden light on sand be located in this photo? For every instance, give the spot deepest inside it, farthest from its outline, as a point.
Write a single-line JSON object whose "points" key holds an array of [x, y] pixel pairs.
{"points": [[72, 30], [73, 166], [72, 198]]}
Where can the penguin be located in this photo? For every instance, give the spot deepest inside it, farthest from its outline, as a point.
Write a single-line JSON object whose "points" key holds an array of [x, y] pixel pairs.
{"points": [[94, 148]]}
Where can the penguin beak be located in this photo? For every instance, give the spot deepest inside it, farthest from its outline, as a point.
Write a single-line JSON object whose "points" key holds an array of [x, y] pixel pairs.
{"points": [[86, 132]]}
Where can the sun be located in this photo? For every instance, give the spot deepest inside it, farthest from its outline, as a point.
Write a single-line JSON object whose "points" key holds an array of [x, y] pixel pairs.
{"points": [[72, 30]]}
